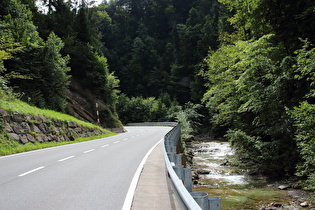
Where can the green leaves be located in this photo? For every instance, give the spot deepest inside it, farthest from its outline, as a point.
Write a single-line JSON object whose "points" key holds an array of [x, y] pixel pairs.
{"points": [[247, 92]]}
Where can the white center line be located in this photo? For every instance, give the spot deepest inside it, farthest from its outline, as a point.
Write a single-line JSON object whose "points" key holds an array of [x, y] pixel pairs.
{"points": [[89, 151], [116, 142], [31, 171], [125, 139], [106, 145], [66, 158]]}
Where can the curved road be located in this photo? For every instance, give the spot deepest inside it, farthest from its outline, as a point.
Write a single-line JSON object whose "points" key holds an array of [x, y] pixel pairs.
{"points": [[88, 175]]}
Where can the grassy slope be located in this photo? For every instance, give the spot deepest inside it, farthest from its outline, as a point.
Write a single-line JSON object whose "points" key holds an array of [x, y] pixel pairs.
{"points": [[8, 146]]}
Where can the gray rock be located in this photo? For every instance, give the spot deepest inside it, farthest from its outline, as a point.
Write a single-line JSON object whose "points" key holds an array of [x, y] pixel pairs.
{"points": [[23, 139], [8, 128], [4, 115], [17, 117], [202, 171], [17, 128], [30, 138], [42, 127], [50, 138], [28, 118], [283, 187], [35, 129], [55, 130], [39, 138], [14, 136], [71, 124], [26, 127], [45, 138], [38, 119]]}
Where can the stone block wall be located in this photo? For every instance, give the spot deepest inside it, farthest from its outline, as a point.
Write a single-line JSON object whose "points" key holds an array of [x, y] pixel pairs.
{"points": [[29, 128]]}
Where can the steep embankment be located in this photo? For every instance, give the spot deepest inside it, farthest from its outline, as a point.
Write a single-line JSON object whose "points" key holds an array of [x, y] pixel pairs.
{"points": [[21, 123], [30, 128], [81, 102]]}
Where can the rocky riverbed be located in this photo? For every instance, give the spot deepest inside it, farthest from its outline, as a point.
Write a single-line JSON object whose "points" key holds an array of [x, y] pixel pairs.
{"points": [[213, 174]]}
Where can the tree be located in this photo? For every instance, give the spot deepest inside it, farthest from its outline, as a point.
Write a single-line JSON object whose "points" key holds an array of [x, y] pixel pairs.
{"points": [[248, 90], [41, 68], [304, 115]]}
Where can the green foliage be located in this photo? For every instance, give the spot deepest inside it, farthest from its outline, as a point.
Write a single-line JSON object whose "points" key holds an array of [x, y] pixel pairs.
{"points": [[152, 38], [248, 92], [44, 71], [37, 70], [247, 18], [139, 109], [304, 116], [288, 20]]}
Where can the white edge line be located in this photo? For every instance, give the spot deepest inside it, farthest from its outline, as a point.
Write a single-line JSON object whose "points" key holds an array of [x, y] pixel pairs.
{"points": [[89, 150], [31, 171], [66, 158], [135, 179]]}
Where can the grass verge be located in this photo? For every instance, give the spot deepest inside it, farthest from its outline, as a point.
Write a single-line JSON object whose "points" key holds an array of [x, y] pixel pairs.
{"points": [[11, 104], [8, 147], [15, 105]]}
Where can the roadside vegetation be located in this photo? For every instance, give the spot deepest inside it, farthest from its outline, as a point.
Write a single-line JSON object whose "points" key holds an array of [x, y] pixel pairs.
{"points": [[8, 146], [10, 103]]}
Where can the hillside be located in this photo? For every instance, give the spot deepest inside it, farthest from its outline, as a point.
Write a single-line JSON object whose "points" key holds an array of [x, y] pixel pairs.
{"points": [[24, 127]]}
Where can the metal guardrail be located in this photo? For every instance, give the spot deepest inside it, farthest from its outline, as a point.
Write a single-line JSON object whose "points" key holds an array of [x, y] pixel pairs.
{"points": [[164, 124], [181, 178]]}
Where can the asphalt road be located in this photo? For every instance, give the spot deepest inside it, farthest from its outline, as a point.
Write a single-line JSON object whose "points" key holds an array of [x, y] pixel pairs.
{"points": [[88, 175]]}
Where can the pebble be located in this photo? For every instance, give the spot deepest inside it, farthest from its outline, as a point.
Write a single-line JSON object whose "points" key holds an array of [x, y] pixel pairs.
{"points": [[304, 204]]}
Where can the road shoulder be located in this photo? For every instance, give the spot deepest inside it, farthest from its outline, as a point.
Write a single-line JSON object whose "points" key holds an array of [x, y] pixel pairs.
{"points": [[153, 189]]}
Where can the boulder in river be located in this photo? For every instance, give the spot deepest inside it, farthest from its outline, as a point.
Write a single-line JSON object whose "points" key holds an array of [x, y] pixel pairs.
{"points": [[203, 171], [283, 187], [304, 204]]}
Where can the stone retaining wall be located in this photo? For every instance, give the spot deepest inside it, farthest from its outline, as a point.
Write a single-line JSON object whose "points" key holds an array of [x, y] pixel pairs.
{"points": [[29, 128]]}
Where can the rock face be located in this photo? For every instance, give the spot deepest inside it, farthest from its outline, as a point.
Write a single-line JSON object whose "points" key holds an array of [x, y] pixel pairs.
{"points": [[28, 128]]}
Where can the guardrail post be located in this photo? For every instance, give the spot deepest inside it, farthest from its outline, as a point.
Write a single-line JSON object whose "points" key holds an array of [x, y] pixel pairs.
{"points": [[179, 171], [188, 179], [214, 203], [202, 199], [178, 160], [171, 157]]}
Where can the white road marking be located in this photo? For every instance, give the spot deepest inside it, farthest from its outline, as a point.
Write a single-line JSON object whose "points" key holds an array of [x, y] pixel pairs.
{"points": [[66, 158], [125, 139], [116, 142], [31, 171], [106, 145], [91, 150]]}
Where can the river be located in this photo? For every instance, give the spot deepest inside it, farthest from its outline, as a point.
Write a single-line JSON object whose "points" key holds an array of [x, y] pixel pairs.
{"points": [[235, 189]]}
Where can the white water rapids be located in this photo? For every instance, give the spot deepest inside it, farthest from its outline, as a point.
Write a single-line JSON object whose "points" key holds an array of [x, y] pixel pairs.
{"points": [[211, 156]]}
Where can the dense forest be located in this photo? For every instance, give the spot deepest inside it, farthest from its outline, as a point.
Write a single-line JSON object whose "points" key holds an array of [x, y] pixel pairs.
{"points": [[241, 69]]}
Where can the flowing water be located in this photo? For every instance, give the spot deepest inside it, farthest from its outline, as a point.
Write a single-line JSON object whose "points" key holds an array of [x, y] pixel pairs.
{"points": [[235, 189]]}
